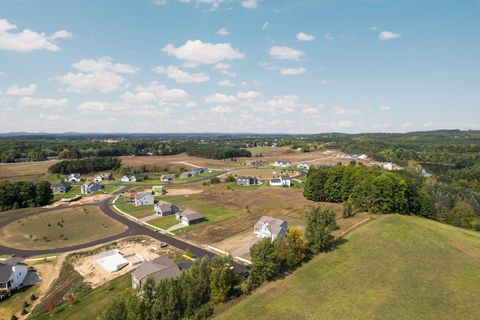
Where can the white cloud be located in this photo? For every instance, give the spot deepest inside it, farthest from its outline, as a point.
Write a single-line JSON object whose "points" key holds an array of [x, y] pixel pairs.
{"points": [[220, 98], [155, 93], [181, 76], [265, 25], [101, 75], [223, 32], [343, 111], [310, 110], [249, 4], [301, 36], [388, 35], [385, 108], [221, 66], [285, 53], [44, 103], [407, 124], [28, 40], [248, 95], [198, 52], [21, 91], [283, 104], [221, 109], [292, 71], [225, 83]]}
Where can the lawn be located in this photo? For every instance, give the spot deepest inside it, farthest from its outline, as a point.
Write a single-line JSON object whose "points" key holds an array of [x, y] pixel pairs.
{"points": [[92, 305], [60, 228], [138, 212], [396, 267], [74, 191], [164, 222]]}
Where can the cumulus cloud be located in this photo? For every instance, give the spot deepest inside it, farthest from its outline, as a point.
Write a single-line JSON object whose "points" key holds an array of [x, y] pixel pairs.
{"points": [[44, 103], [285, 53], [225, 83], [301, 36], [28, 40], [155, 93], [182, 76], [220, 98], [343, 111], [310, 110], [223, 32], [388, 35], [15, 90], [292, 71], [250, 4], [221, 109], [197, 52], [101, 75], [248, 95]]}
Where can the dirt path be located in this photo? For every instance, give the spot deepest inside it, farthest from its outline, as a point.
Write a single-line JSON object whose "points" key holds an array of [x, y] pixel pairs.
{"points": [[187, 163]]}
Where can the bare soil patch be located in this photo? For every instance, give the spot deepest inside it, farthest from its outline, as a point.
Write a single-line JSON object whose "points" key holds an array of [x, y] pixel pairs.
{"points": [[182, 192]]}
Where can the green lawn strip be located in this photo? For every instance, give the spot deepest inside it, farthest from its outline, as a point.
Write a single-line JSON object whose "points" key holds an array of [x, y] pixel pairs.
{"points": [[91, 305], [164, 222], [397, 267], [293, 221], [138, 212], [234, 186], [197, 178], [74, 191]]}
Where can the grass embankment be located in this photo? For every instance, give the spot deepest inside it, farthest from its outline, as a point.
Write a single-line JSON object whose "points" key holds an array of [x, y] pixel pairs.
{"points": [[60, 228], [397, 267]]}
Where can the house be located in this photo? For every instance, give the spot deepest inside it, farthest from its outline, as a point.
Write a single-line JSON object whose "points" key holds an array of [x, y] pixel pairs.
{"points": [[185, 175], [133, 178], [90, 187], [268, 227], [283, 181], [361, 156], [22, 160], [167, 177], [253, 162], [103, 176], [303, 166], [12, 275], [125, 179], [282, 163], [73, 177], [246, 181], [189, 217], [112, 260], [60, 188], [197, 171], [389, 166], [143, 199], [164, 208], [160, 268]]}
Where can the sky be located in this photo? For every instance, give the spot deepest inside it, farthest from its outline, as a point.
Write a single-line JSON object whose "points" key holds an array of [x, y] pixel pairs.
{"points": [[263, 66]]}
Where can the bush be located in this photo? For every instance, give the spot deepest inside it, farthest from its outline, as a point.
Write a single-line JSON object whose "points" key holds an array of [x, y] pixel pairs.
{"points": [[230, 178], [214, 180]]}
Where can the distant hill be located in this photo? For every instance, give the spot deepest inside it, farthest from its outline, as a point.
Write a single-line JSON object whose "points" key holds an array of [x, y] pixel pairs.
{"points": [[397, 267]]}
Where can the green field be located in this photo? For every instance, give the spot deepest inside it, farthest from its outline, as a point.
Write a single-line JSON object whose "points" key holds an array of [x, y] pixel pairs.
{"points": [[60, 228], [262, 150], [164, 222], [397, 267], [90, 306], [138, 212], [199, 177]]}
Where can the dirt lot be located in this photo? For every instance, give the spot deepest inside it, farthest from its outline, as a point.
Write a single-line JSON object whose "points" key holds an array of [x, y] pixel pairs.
{"points": [[95, 275], [25, 170], [181, 192]]}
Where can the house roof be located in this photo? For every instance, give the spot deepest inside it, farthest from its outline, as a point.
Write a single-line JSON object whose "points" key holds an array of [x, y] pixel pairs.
{"points": [[191, 215], [60, 185], [273, 225], [163, 206], [285, 178], [276, 180], [142, 195], [162, 267], [6, 268]]}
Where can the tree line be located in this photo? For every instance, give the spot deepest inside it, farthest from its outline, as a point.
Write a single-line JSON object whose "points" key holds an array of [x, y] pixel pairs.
{"points": [[217, 152], [85, 165], [22, 194]]}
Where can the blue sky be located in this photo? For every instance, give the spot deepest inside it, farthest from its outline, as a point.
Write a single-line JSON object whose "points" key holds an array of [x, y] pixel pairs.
{"points": [[239, 66]]}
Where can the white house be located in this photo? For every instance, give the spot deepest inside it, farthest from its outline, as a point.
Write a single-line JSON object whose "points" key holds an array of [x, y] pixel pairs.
{"points": [[133, 178], [12, 276], [268, 227], [90, 187], [125, 179], [163, 208], [389, 166], [112, 260], [282, 163], [283, 181], [73, 177], [103, 176], [303, 166], [143, 199]]}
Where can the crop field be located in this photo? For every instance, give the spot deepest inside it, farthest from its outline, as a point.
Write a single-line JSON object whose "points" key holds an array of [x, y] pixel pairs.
{"points": [[60, 228], [25, 170], [396, 267]]}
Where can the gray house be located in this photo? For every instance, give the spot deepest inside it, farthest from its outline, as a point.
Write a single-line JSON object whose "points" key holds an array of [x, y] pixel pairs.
{"points": [[157, 269], [167, 177], [189, 217], [185, 175], [197, 171], [246, 181], [90, 187], [12, 275], [163, 208], [143, 199], [103, 176], [60, 188], [268, 227]]}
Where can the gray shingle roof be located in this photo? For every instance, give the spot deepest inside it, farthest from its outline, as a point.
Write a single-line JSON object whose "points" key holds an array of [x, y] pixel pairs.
{"points": [[160, 268]]}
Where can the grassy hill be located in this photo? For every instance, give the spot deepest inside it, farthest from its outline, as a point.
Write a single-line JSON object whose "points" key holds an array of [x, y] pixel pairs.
{"points": [[396, 267]]}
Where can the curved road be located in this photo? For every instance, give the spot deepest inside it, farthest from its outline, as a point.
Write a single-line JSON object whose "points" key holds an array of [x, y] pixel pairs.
{"points": [[134, 229]]}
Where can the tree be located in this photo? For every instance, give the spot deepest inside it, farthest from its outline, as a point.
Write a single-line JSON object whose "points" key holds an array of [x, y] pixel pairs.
{"points": [[230, 178], [347, 211], [266, 262], [462, 215], [116, 310], [320, 224], [222, 278], [43, 193], [293, 247]]}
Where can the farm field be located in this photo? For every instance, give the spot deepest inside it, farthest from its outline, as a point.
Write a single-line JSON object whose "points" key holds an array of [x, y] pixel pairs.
{"points": [[25, 170], [59, 228], [396, 267], [176, 162], [255, 151]]}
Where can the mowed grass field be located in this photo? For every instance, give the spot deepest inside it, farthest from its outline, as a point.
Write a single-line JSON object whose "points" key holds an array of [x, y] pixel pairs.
{"points": [[59, 228], [25, 170], [396, 267]]}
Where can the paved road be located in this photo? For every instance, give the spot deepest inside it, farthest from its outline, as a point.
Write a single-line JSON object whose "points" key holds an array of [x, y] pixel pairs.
{"points": [[134, 229]]}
